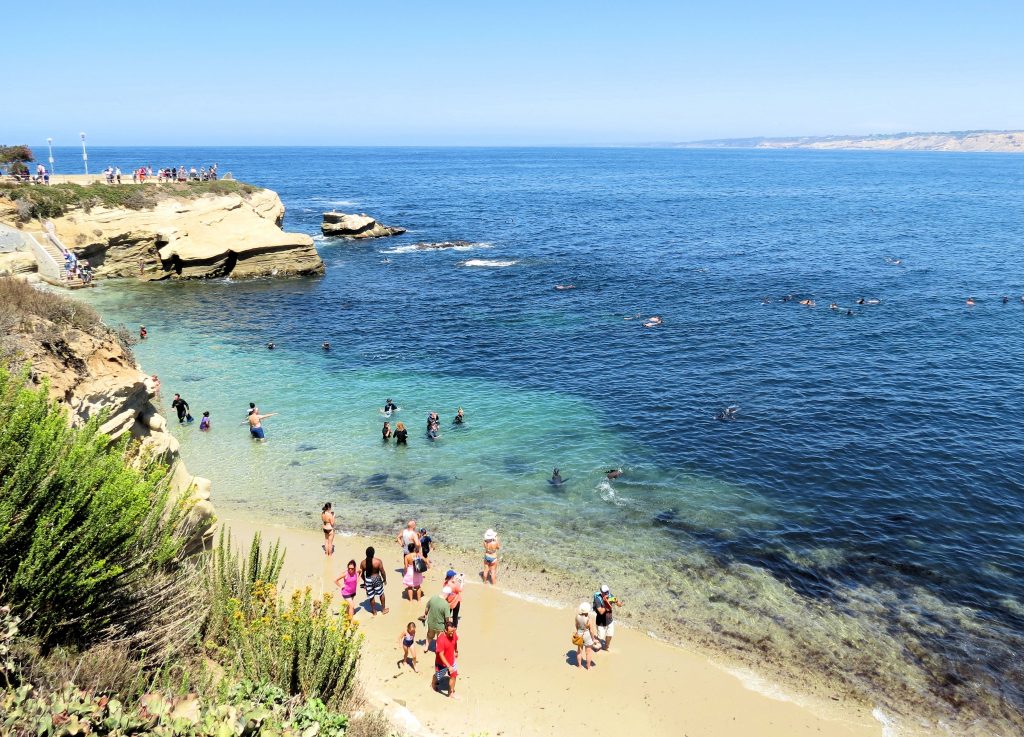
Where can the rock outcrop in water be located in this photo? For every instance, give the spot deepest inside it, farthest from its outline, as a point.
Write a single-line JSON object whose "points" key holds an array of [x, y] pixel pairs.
{"points": [[235, 234], [90, 372], [356, 226]]}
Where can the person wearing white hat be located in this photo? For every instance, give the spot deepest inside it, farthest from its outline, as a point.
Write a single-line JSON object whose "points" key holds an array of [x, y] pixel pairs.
{"points": [[584, 637], [491, 547], [603, 604]]}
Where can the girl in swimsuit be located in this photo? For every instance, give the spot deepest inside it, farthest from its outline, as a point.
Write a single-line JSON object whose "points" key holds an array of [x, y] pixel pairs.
{"points": [[327, 518], [491, 547], [408, 640], [412, 579], [349, 587]]}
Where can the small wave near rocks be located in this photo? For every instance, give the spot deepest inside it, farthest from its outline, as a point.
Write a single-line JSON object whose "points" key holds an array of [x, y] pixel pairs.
{"points": [[438, 246]]}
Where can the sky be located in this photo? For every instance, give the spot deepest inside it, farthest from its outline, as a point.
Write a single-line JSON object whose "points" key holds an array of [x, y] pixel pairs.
{"points": [[450, 72]]}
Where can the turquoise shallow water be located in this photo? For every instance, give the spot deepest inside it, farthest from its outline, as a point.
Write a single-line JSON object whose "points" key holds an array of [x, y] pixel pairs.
{"points": [[861, 520]]}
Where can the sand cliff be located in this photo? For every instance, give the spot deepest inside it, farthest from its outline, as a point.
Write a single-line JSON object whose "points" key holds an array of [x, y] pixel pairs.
{"points": [[963, 141], [169, 233]]}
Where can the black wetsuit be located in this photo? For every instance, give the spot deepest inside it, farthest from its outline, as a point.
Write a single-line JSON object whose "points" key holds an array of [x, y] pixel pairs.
{"points": [[182, 407], [401, 436]]}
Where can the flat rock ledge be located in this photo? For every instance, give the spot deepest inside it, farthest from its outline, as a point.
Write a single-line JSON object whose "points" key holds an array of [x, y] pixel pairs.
{"points": [[356, 226]]}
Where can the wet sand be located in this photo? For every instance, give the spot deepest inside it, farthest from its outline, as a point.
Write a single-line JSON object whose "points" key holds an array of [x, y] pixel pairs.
{"points": [[517, 665]]}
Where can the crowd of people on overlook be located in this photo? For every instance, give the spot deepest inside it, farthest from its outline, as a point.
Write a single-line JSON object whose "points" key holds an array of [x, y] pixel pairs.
{"points": [[112, 174]]}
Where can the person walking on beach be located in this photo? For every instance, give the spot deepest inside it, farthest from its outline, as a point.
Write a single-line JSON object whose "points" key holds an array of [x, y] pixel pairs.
{"points": [[603, 605], [408, 535], [425, 542], [181, 406], [491, 547], [437, 612], [327, 523], [255, 421], [401, 434], [413, 578], [584, 637], [348, 580], [374, 580], [446, 656], [453, 582], [408, 642]]}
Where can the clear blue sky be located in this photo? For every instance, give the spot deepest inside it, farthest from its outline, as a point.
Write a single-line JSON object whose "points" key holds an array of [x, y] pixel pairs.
{"points": [[310, 72]]}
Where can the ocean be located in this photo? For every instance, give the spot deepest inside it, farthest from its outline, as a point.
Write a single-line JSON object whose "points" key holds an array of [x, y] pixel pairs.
{"points": [[859, 522]]}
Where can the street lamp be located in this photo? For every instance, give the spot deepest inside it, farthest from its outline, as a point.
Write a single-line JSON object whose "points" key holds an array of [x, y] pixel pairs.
{"points": [[85, 156], [49, 145]]}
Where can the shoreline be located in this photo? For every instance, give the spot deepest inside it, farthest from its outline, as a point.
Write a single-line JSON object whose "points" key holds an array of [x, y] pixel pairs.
{"points": [[642, 670]]}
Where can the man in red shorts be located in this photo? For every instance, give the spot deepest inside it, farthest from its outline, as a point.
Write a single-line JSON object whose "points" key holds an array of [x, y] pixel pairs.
{"points": [[445, 656]]}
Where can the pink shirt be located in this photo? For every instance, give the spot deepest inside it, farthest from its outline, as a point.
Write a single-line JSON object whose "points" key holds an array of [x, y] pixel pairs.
{"points": [[351, 582]]}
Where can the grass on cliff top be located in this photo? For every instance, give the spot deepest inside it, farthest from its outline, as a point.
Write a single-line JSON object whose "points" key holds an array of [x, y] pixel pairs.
{"points": [[37, 201]]}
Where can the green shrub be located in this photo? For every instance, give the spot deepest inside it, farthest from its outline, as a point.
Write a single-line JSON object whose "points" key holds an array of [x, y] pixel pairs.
{"points": [[296, 645], [18, 297], [88, 540], [36, 201], [72, 711]]}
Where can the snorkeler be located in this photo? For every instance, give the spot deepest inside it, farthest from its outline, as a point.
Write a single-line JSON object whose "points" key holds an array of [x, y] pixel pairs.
{"points": [[459, 417], [556, 478]]}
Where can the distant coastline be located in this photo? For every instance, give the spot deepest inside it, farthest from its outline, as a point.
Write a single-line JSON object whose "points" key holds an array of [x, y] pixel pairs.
{"points": [[961, 141]]}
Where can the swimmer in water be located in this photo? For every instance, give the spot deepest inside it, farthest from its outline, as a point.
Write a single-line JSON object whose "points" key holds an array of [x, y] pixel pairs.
{"points": [[1006, 299], [849, 313], [386, 432], [766, 300], [270, 346], [326, 346], [556, 478], [460, 417], [653, 322], [874, 302], [807, 302], [613, 473], [860, 301], [971, 302], [563, 287], [833, 306], [728, 414]]}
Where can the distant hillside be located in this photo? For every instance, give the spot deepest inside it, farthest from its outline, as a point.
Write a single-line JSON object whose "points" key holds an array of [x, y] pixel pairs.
{"points": [[995, 141]]}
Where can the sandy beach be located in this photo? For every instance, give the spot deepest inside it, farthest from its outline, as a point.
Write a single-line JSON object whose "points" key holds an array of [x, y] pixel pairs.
{"points": [[517, 665]]}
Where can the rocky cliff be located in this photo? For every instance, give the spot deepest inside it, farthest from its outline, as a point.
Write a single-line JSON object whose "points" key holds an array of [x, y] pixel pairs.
{"points": [[89, 372], [165, 233]]}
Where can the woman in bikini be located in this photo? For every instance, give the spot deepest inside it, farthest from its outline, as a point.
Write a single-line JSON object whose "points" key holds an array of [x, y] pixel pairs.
{"points": [[491, 548], [327, 518]]}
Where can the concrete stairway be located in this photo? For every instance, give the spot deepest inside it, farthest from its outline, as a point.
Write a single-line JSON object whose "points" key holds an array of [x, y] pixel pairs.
{"points": [[50, 244]]}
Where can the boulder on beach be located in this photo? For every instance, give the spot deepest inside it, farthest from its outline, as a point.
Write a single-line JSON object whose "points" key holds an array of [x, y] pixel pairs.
{"points": [[356, 226]]}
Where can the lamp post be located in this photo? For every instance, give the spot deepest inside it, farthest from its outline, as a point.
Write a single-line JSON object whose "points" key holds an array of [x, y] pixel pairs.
{"points": [[85, 156], [49, 145]]}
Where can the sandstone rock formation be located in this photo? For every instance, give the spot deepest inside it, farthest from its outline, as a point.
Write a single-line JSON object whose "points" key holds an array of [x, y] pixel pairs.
{"points": [[89, 372], [210, 236], [356, 226]]}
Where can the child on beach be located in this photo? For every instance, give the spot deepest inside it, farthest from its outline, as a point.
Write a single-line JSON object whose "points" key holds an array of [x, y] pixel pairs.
{"points": [[204, 424], [408, 641]]}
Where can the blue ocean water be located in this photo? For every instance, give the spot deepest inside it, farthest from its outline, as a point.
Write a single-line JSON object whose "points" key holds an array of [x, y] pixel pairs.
{"points": [[863, 515]]}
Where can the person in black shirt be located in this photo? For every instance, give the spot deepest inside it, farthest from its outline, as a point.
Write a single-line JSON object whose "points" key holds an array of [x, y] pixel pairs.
{"points": [[401, 434], [181, 406]]}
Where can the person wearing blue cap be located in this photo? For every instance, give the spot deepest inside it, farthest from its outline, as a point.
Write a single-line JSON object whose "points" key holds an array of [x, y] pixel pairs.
{"points": [[453, 583]]}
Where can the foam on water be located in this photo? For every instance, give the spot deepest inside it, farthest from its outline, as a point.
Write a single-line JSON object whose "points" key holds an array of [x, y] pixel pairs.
{"points": [[493, 263]]}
